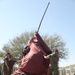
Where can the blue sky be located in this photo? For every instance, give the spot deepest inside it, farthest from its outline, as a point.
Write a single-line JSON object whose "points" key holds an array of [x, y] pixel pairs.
{"points": [[18, 16]]}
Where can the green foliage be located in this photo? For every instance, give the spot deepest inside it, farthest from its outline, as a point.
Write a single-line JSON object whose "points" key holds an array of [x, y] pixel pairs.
{"points": [[16, 46], [56, 42], [2, 54]]}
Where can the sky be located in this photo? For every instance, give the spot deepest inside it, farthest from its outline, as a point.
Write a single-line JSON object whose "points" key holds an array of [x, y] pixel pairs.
{"points": [[18, 16]]}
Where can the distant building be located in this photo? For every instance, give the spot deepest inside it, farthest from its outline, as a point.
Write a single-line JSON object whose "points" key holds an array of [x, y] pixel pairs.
{"points": [[67, 70]]}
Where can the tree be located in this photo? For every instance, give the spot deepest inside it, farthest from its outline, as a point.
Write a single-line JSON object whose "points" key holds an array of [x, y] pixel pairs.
{"points": [[16, 45], [56, 42]]}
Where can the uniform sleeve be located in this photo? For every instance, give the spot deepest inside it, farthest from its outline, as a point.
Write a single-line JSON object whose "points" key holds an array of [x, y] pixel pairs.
{"points": [[50, 55]]}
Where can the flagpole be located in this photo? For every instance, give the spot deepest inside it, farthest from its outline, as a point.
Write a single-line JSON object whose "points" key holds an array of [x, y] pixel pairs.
{"points": [[43, 16]]}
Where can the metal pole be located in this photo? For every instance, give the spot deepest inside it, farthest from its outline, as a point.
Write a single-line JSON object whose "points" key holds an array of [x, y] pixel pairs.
{"points": [[43, 16]]}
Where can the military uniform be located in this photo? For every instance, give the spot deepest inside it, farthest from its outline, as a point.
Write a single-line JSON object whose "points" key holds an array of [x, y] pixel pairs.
{"points": [[10, 64], [5, 70], [54, 58]]}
